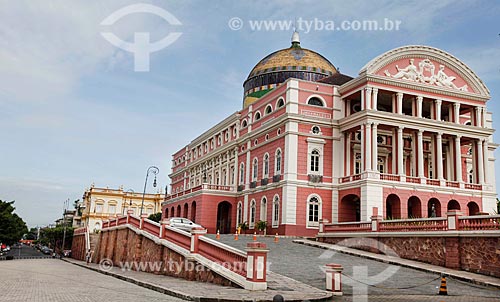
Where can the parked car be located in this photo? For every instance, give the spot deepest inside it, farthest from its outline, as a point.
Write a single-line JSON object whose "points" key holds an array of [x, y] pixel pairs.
{"points": [[183, 223], [46, 250]]}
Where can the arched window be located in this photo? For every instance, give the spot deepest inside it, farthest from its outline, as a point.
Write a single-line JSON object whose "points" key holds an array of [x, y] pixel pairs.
{"points": [[280, 103], [269, 109], [263, 209], [315, 102], [314, 162], [217, 178], [252, 214], [278, 162], [257, 116], [313, 212], [242, 173], [276, 211], [255, 169], [471, 176], [266, 166], [244, 124], [239, 214]]}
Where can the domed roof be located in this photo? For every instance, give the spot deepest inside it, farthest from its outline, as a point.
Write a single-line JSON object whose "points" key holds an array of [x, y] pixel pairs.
{"points": [[293, 62]]}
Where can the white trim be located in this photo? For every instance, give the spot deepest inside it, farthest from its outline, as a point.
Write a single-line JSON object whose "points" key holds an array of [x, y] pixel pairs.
{"points": [[313, 224], [318, 97]]}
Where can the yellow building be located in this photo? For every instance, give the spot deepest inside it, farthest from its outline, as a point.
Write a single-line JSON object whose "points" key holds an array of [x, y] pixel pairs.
{"points": [[101, 203]]}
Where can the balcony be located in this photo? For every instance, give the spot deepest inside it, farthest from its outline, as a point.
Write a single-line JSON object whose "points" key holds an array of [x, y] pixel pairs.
{"points": [[315, 178], [205, 187]]}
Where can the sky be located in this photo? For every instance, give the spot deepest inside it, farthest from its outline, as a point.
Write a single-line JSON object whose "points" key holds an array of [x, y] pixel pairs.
{"points": [[74, 112]]}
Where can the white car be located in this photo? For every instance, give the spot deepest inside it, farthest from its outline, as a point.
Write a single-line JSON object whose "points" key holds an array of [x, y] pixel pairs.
{"points": [[183, 223]]}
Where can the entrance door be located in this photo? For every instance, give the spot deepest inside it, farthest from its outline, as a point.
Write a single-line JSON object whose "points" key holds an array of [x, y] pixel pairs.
{"points": [[224, 217]]}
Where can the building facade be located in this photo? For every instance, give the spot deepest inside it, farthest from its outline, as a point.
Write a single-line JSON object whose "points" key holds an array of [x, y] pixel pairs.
{"points": [[410, 136], [101, 203]]}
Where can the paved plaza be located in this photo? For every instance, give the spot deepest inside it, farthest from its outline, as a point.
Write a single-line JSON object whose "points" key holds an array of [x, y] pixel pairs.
{"points": [[58, 281]]}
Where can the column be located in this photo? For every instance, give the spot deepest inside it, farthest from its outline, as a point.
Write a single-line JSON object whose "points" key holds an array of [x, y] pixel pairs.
{"points": [[456, 110], [368, 99], [458, 159], [439, 157], [363, 153], [400, 102], [236, 169], [483, 117], [477, 117], [438, 110], [363, 103], [368, 147], [400, 150], [420, 155], [480, 162], [374, 98], [419, 105], [486, 161], [348, 154], [374, 147]]}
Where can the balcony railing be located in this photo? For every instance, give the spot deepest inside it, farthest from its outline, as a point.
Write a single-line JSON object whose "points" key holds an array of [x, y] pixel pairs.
{"points": [[204, 186], [391, 177], [414, 180]]}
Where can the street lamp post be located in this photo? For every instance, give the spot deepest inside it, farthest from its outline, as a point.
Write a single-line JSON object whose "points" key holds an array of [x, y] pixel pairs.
{"points": [[130, 200], [154, 170], [66, 204]]}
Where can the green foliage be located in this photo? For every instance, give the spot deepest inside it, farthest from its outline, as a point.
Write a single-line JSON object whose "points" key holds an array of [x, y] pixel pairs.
{"points": [[12, 227], [261, 225], [243, 226], [155, 217], [53, 237], [31, 235]]}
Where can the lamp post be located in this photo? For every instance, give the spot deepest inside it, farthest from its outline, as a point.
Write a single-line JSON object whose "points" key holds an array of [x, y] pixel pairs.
{"points": [[154, 170], [130, 200], [66, 204]]}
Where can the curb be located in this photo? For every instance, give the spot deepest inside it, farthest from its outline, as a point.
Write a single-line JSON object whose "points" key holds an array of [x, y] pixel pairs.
{"points": [[407, 265], [181, 295]]}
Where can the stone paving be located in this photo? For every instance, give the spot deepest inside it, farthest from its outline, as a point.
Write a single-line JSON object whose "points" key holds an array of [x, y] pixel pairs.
{"points": [[304, 263], [58, 281]]}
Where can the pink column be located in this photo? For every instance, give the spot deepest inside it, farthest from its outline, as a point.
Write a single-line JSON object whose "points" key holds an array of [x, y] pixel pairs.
{"points": [[452, 217], [163, 223], [256, 261], [334, 278], [129, 213], [376, 219], [196, 233], [143, 216]]}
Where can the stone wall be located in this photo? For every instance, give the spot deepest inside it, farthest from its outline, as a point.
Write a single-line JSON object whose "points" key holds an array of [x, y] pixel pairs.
{"points": [[125, 245], [475, 254], [78, 247]]}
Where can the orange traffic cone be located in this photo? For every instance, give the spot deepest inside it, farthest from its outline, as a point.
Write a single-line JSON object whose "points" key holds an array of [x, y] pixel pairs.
{"points": [[254, 236], [443, 290], [276, 239], [236, 236], [218, 235]]}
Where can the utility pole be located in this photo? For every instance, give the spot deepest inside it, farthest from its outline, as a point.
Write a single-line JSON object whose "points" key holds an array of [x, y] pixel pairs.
{"points": [[66, 204]]}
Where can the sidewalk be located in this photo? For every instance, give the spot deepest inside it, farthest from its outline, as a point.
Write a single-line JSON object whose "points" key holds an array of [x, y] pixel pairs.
{"points": [[290, 289], [457, 274]]}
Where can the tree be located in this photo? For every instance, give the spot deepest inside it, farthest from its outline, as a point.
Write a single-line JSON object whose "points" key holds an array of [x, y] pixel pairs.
{"points": [[155, 217], [12, 227], [53, 237]]}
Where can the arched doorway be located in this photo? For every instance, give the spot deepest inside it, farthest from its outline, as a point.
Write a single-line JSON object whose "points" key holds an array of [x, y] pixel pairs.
{"points": [[172, 212], [414, 207], [179, 211], [349, 208], [186, 210], [453, 205], [472, 208], [392, 207], [166, 213], [193, 211], [433, 208], [224, 217]]}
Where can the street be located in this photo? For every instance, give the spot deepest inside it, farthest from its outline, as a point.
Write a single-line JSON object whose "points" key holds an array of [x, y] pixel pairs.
{"points": [[25, 251], [58, 281]]}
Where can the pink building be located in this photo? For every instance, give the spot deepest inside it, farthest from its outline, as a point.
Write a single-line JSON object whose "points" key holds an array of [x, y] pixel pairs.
{"points": [[410, 135]]}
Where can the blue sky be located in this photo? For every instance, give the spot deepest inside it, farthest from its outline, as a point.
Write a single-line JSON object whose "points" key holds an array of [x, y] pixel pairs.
{"points": [[73, 111]]}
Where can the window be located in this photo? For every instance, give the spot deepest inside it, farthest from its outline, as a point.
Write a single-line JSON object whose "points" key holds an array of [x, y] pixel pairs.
{"points": [[314, 162], [278, 162], [98, 208], [112, 208], [263, 209], [252, 214], [280, 103], [381, 165], [242, 173], [269, 109], [244, 124], [315, 102], [315, 130], [239, 214], [313, 212], [255, 169], [257, 116], [276, 211], [266, 166], [357, 164], [471, 176]]}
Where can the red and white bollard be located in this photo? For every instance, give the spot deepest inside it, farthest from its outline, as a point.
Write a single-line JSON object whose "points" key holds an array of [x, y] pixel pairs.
{"points": [[334, 278], [257, 265]]}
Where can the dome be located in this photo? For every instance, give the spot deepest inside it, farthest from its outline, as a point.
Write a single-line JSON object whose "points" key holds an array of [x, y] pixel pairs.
{"points": [[276, 68]]}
